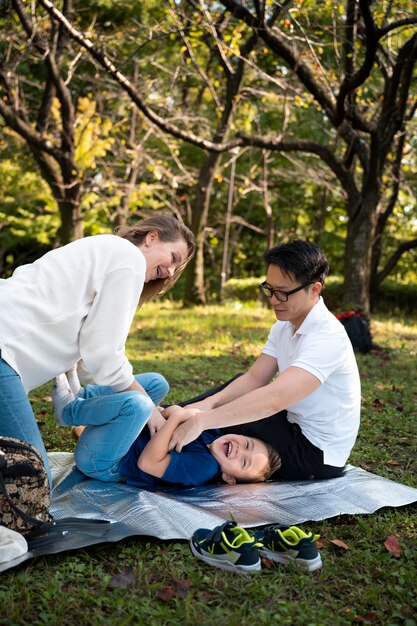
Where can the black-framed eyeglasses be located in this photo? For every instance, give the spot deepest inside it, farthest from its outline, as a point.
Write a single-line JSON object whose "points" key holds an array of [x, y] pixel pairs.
{"points": [[280, 295]]}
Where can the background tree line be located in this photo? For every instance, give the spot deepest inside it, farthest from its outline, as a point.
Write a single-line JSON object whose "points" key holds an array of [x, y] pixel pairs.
{"points": [[252, 121]]}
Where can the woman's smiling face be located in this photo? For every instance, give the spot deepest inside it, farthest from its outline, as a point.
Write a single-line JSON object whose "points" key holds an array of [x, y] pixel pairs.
{"points": [[163, 258], [241, 458]]}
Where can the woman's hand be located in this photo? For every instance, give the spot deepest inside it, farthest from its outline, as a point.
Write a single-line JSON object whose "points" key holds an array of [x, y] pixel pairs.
{"points": [[155, 422]]}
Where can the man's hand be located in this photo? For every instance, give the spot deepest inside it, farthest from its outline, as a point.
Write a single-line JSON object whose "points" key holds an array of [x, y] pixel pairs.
{"points": [[188, 430], [155, 422]]}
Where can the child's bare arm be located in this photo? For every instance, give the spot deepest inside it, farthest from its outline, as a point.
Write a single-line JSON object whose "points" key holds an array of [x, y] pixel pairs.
{"points": [[155, 457]]}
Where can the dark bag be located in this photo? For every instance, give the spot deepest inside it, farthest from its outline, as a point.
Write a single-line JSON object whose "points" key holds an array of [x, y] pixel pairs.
{"points": [[24, 486], [357, 329]]}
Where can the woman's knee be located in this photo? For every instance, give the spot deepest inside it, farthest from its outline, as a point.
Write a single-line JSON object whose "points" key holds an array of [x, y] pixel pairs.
{"points": [[161, 386], [88, 461], [136, 406], [155, 385]]}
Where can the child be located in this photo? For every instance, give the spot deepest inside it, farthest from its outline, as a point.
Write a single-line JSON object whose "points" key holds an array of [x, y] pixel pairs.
{"points": [[115, 447]]}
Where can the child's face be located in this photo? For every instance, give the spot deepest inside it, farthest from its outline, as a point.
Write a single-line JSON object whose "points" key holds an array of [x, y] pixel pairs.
{"points": [[241, 458]]}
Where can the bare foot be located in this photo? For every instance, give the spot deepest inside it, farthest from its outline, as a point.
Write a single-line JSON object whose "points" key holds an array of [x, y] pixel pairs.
{"points": [[76, 432]]}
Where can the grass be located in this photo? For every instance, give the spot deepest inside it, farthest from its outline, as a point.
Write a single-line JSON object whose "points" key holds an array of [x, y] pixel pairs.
{"points": [[140, 581]]}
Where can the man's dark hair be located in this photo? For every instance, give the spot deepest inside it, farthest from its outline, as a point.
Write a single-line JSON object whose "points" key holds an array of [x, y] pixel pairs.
{"points": [[301, 259]]}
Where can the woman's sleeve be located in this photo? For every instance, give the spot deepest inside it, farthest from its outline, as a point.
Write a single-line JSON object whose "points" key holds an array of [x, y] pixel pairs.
{"points": [[105, 329]]}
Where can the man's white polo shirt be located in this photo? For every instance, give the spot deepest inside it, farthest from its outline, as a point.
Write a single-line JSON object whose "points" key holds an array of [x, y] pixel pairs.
{"points": [[329, 417]]}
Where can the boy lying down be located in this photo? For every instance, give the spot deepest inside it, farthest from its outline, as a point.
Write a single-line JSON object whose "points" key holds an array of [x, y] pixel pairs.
{"points": [[115, 445]]}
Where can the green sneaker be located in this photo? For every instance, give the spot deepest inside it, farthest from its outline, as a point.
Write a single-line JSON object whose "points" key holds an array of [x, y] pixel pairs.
{"points": [[228, 546], [289, 544]]}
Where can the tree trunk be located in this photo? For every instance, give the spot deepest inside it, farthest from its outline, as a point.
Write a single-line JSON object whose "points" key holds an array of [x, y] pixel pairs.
{"points": [[358, 253], [72, 226], [194, 290], [225, 256], [269, 221]]}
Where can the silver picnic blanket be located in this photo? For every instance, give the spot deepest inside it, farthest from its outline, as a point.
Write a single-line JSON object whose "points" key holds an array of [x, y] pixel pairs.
{"points": [[175, 513]]}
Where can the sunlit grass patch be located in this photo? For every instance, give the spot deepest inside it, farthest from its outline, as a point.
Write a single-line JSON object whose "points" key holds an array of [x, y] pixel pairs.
{"points": [[161, 583]]}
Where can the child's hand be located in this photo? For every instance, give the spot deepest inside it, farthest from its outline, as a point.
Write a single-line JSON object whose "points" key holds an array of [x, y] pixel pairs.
{"points": [[169, 410], [179, 413]]}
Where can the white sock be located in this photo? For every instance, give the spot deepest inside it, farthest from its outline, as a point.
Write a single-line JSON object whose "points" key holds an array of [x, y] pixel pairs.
{"points": [[61, 396], [73, 380]]}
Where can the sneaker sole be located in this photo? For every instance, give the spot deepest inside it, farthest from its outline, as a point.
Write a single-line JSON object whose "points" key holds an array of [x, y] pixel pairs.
{"points": [[310, 564], [225, 565]]}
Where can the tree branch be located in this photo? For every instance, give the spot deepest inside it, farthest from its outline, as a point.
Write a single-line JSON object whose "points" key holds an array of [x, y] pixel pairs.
{"points": [[26, 131], [59, 84], [289, 54], [394, 258], [344, 176], [352, 82], [128, 87], [406, 21], [397, 93]]}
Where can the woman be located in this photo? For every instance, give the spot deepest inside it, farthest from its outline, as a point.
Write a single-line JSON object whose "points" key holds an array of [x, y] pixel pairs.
{"points": [[76, 303]]}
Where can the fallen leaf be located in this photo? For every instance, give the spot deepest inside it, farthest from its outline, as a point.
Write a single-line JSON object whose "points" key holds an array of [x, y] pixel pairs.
{"points": [[47, 398], [369, 617], [319, 544], [268, 563], [393, 463], [165, 594], [393, 546], [124, 579], [183, 587], [378, 404], [340, 544], [366, 466]]}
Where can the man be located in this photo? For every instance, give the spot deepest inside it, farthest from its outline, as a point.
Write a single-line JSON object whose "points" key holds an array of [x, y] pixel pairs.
{"points": [[310, 412]]}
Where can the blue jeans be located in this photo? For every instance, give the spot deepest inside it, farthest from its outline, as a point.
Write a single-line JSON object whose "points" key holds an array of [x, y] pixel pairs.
{"points": [[113, 422], [16, 414]]}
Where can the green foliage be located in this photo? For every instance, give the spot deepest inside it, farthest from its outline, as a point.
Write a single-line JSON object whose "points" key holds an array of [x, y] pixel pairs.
{"points": [[168, 51], [397, 298], [28, 217], [244, 289], [112, 14], [92, 139]]}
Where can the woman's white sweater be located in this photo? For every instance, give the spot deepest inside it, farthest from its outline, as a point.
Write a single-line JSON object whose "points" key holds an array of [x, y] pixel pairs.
{"points": [[74, 303]]}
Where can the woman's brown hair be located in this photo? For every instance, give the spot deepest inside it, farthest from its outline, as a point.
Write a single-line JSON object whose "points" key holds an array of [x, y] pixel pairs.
{"points": [[169, 228]]}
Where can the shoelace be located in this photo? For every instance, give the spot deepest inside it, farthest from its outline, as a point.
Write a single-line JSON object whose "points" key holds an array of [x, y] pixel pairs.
{"points": [[241, 536]]}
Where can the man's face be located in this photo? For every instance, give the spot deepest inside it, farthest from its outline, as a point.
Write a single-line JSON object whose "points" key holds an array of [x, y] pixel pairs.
{"points": [[241, 458], [299, 304]]}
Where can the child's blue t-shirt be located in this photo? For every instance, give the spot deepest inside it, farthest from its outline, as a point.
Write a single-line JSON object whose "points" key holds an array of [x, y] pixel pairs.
{"points": [[193, 466]]}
